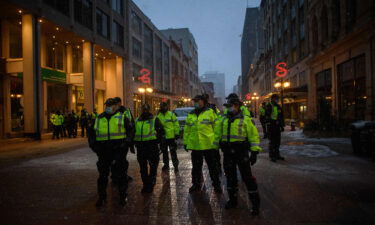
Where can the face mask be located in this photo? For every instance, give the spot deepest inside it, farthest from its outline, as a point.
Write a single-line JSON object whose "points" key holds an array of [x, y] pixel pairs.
{"points": [[196, 105], [108, 110]]}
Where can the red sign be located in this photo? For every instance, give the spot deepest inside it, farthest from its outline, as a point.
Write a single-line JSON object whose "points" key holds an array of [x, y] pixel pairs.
{"points": [[248, 96], [145, 76], [281, 69]]}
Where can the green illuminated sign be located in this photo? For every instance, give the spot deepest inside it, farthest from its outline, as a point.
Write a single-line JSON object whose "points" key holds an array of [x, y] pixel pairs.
{"points": [[50, 75]]}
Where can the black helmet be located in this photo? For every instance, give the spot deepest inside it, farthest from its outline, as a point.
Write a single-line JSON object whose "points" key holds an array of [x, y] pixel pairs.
{"points": [[117, 100], [109, 102], [200, 97], [274, 96], [232, 96], [145, 107], [232, 101]]}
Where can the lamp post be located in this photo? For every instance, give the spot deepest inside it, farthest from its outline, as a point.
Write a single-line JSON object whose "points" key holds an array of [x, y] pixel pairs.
{"points": [[144, 91], [282, 85], [255, 98]]}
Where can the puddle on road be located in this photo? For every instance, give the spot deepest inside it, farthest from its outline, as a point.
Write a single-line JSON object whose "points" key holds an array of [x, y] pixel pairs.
{"points": [[307, 150]]}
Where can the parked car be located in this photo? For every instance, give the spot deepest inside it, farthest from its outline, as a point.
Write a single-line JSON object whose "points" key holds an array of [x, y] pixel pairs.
{"points": [[181, 114]]}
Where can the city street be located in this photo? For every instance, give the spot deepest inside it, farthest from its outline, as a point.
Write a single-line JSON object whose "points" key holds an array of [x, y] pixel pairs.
{"points": [[320, 182]]}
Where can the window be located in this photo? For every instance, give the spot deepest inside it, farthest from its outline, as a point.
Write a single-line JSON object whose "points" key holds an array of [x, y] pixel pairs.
{"points": [[55, 55], [324, 94], [302, 78], [136, 23], [136, 71], [148, 47], [166, 77], [102, 24], [314, 28], [324, 22], [118, 34], [83, 12], [60, 5], [99, 73], [77, 60], [15, 41], [352, 88], [351, 14], [159, 62], [137, 49], [117, 5]]}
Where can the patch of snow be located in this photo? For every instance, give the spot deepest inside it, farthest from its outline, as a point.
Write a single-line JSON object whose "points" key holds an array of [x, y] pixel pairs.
{"points": [[312, 151], [298, 134]]}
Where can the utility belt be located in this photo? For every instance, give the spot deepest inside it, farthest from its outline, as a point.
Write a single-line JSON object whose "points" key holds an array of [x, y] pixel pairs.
{"points": [[237, 144]]}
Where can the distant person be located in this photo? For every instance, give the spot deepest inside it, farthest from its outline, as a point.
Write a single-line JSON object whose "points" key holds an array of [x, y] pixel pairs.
{"points": [[75, 124], [275, 125], [84, 121], [262, 118]]}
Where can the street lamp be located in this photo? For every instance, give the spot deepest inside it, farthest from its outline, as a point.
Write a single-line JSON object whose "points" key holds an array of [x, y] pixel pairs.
{"points": [[144, 91], [282, 85]]}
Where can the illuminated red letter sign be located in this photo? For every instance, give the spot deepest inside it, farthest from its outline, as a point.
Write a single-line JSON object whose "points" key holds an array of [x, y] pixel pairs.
{"points": [[281, 69], [145, 76], [248, 96]]}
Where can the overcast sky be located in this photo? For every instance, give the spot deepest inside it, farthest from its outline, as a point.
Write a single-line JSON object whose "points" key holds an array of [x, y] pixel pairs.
{"points": [[215, 24]]}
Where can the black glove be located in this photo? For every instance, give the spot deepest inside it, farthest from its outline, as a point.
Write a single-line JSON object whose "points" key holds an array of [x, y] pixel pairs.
{"points": [[253, 157], [185, 147], [282, 129]]}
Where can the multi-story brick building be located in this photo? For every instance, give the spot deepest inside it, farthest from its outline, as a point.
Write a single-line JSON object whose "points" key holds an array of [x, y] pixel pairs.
{"points": [[328, 48]]}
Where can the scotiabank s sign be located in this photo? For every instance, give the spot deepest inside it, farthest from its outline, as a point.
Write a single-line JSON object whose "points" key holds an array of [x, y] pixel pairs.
{"points": [[281, 69]]}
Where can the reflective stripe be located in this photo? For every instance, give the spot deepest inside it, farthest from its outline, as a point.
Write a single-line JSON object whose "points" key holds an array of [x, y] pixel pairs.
{"points": [[254, 144], [151, 127], [119, 123], [169, 120], [205, 121], [112, 135], [145, 136], [240, 124], [189, 124], [97, 125], [216, 143]]}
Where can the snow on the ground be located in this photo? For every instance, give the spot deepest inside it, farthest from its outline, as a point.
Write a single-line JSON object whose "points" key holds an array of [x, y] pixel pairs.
{"points": [[298, 134], [309, 150]]}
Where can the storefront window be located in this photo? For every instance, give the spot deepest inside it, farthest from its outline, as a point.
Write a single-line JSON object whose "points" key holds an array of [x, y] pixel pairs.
{"points": [[324, 94], [15, 41], [352, 88], [16, 99]]}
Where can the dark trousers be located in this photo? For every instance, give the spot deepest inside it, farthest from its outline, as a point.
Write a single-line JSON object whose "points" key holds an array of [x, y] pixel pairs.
{"points": [[171, 143], [237, 155], [56, 132], [197, 161], [114, 175], [264, 127], [63, 130], [274, 134], [83, 127], [148, 159], [75, 126], [108, 153]]}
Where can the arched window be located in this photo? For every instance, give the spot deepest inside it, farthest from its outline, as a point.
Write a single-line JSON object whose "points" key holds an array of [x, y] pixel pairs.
{"points": [[324, 24]]}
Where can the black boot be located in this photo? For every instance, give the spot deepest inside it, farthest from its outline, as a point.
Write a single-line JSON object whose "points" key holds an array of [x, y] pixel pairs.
{"points": [[255, 201], [232, 203]]}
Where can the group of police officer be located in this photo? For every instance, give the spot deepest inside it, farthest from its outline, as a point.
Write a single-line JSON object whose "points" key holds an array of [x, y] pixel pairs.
{"points": [[115, 131]]}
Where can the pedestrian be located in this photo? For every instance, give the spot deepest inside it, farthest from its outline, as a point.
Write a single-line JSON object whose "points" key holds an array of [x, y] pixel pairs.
{"points": [[262, 119], [172, 133], [64, 125], [59, 121], [199, 138], [69, 121], [275, 125], [129, 146], [237, 136], [54, 121], [148, 133], [75, 123], [83, 121], [111, 130]]}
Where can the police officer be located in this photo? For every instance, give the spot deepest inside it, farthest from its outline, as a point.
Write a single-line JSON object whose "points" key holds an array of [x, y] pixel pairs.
{"points": [[75, 123], [55, 123], [172, 132], [112, 129], [93, 117], [84, 121], [275, 125], [237, 136], [262, 119], [245, 111], [130, 145], [199, 138], [148, 133]]}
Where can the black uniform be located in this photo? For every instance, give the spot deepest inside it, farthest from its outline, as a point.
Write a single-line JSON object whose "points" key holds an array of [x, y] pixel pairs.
{"points": [[274, 128], [148, 154], [84, 122], [108, 152]]}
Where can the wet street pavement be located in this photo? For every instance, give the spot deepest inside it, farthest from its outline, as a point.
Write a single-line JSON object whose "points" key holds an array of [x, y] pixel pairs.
{"points": [[320, 182]]}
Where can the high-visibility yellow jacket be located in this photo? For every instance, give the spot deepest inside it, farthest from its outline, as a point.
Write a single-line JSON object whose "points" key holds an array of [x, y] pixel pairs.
{"points": [[199, 130], [114, 129], [145, 130], [262, 111], [57, 120], [170, 124], [241, 129]]}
